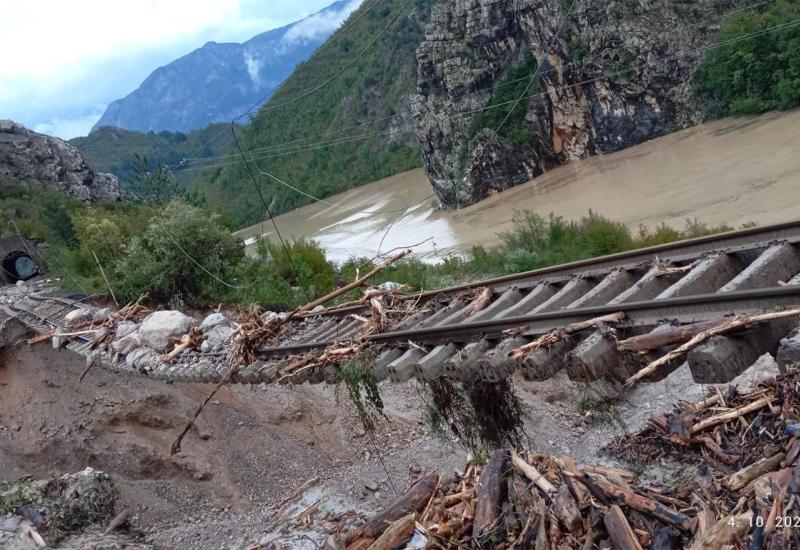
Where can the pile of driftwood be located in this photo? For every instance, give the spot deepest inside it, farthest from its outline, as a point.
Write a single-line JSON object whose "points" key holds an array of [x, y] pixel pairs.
{"points": [[741, 491]]}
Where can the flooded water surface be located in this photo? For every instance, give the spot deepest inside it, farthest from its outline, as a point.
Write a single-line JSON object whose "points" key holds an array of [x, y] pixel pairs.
{"points": [[730, 171]]}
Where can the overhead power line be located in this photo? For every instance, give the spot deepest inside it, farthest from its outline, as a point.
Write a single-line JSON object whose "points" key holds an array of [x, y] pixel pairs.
{"points": [[300, 144], [338, 34]]}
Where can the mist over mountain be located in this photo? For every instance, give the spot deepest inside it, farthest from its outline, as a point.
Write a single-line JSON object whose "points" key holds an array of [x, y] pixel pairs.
{"points": [[218, 81]]}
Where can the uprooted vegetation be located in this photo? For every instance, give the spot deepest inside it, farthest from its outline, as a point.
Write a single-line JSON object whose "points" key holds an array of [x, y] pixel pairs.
{"points": [[479, 414], [739, 491], [61, 505]]}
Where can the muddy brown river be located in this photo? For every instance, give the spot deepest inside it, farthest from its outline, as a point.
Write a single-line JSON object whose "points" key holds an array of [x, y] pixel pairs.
{"points": [[733, 171]]}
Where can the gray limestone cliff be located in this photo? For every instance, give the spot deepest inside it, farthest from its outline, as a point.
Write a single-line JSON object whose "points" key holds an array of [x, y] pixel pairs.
{"points": [[43, 161], [608, 75]]}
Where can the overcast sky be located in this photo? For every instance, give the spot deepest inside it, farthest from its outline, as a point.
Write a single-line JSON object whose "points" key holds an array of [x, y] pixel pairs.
{"points": [[64, 62]]}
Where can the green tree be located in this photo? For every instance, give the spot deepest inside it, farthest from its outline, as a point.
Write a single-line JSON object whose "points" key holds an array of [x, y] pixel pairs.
{"points": [[759, 67], [184, 254], [60, 230], [153, 185]]}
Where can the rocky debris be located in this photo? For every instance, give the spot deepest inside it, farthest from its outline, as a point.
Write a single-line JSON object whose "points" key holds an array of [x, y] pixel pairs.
{"points": [[50, 509], [45, 161], [77, 316], [607, 79], [159, 328], [789, 350], [214, 320]]}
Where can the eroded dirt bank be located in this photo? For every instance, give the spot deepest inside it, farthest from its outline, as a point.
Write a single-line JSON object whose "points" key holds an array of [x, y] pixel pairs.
{"points": [[733, 171], [254, 446]]}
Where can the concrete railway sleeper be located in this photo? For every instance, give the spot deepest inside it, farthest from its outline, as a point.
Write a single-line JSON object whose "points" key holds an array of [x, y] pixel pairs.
{"points": [[466, 332]]}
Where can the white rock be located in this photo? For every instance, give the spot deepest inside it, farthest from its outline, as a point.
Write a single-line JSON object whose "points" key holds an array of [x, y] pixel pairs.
{"points": [[141, 359], [213, 320], [127, 343], [101, 315], [217, 336], [78, 316], [205, 347], [125, 328], [269, 315], [158, 328]]}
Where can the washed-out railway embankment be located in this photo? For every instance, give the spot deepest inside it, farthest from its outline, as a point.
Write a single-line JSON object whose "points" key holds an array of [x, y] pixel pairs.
{"points": [[467, 332]]}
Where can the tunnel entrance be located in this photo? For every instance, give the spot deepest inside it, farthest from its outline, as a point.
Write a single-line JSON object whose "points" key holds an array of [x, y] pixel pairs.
{"points": [[19, 260], [18, 266]]}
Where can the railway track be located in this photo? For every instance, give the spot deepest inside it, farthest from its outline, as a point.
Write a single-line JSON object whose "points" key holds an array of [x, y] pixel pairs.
{"points": [[466, 331]]}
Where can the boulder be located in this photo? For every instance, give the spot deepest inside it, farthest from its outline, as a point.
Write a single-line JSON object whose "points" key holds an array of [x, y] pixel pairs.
{"points": [[127, 343], [213, 320], [142, 359], [217, 336], [125, 328], [157, 329], [101, 315], [789, 351]]}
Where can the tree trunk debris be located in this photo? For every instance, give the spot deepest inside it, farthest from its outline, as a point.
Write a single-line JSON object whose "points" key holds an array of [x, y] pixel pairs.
{"points": [[725, 326], [519, 500]]}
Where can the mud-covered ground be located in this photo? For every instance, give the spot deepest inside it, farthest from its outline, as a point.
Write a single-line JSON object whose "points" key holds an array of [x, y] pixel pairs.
{"points": [[256, 445]]}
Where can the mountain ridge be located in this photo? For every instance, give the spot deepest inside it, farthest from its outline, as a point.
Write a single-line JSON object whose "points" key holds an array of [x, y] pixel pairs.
{"points": [[220, 80]]}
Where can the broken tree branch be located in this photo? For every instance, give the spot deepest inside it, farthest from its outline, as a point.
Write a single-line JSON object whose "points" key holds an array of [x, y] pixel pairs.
{"points": [[355, 284], [730, 415], [731, 324], [560, 334]]}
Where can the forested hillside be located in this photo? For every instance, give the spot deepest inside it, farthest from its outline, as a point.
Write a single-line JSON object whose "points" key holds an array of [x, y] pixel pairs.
{"points": [[286, 137], [114, 150]]}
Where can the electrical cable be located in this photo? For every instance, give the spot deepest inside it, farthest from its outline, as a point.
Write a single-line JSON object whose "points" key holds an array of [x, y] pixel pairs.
{"points": [[293, 100], [339, 33], [298, 141]]}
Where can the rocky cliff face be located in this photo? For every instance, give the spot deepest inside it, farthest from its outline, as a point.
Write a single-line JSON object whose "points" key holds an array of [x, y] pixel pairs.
{"points": [[217, 82], [615, 74], [39, 160]]}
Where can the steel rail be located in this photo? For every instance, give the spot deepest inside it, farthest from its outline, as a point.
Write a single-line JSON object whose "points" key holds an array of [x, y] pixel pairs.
{"points": [[684, 309], [677, 251]]}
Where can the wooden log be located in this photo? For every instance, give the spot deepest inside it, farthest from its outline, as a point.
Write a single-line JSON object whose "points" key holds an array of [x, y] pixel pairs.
{"points": [[620, 530], [705, 516], [533, 474], [626, 475], [491, 493], [642, 503], [730, 324], [566, 510], [347, 288], [414, 500], [667, 538], [397, 533], [731, 415], [747, 474], [726, 531], [580, 493], [665, 336], [361, 543]]}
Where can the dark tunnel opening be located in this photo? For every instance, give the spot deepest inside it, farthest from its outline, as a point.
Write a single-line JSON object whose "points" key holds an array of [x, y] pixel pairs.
{"points": [[18, 266]]}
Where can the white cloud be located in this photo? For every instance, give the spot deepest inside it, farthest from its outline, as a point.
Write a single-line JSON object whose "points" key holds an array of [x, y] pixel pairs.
{"points": [[71, 127], [320, 24], [80, 53], [253, 68]]}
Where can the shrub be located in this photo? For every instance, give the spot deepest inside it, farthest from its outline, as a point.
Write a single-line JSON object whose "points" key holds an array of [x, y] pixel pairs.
{"points": [[183, 254]]}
